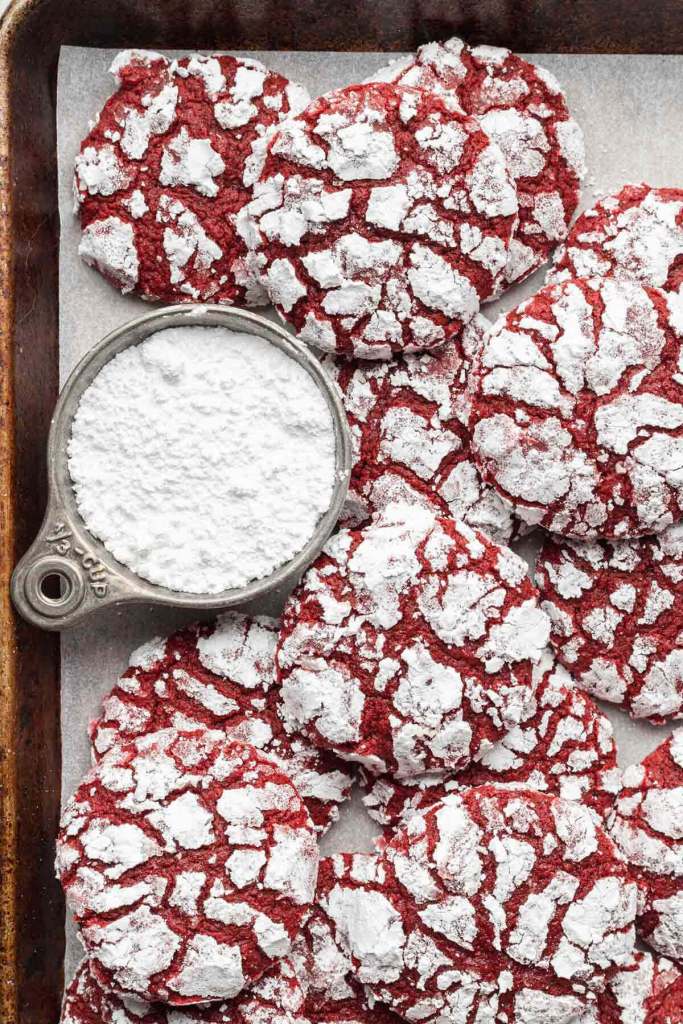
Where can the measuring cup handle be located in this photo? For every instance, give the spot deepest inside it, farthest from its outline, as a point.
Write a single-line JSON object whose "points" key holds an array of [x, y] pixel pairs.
{"points": [[84, 582]]}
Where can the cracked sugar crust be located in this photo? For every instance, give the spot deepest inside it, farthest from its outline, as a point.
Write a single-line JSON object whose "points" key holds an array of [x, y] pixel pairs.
{"points": [[220, 676], [325, 968], [277, 998], [494, 904], [647, 826], [408, 442], [164, 172], [189, 862], [409, 645], [523, 109], [634, 233], [576, 403], [563, 746], [382, 217], [640, 992], [616, 610]]}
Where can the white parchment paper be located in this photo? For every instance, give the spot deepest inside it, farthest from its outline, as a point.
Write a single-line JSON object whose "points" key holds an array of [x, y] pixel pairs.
{"points": [[630, 115]]}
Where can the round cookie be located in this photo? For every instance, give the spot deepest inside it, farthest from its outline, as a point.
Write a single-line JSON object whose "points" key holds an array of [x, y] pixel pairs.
{"points": [[523, 109], [508, 903], [409, 645], [616, 610], [409, 444], [576, 406], [634, 233], [381, 219], [277, 998], [647, 826], [222, 676], [333, 993], [166, 168], [563, 745], [189, 862]]}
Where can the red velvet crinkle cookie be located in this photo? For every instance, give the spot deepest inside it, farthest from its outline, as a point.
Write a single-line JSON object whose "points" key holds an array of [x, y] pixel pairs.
{"points": [[221, 676], [166, 168], [408, 442], [563, 745], [409, 645], [494, 904], [523, 109], [189, 862], [647, 826], [276, 999], [381, 220], [333, 992], [616, 609], [576, 405], [634, 233]]}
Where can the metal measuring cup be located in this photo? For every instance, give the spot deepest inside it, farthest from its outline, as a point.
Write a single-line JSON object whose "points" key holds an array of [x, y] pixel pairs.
{"points": [[89, 575]]}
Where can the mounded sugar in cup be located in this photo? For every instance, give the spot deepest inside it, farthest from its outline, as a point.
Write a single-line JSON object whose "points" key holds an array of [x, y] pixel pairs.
{"points": [[203, 458]]}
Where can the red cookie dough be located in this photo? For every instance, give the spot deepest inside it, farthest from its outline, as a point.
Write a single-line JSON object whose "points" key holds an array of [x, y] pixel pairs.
{"points": [[616, 609], [167, 166], [634, 233], [408, 442], [333, 993], [276, 999], [647, 826], [576, 407], [669, 1008], [563, 745], [220, 676], [522, 108], [409, 645], [495, 904], [189, 862], [381, 220]]}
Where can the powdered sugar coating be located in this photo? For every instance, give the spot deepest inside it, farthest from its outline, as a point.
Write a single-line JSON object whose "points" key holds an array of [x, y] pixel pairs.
{"points": [[563, 745], [277, 998], [220, 676], [409, 645], [493, 904], [617, 618], [409, 444], [647, 826], [381, 218], [576, 405], [159, 180], [333, 992], [636, 993], [189, 861], [523, 109], [634, 233]]}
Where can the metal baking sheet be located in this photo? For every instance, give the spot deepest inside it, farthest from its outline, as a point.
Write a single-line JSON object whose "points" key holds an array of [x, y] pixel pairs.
{"points": [[630, 115]]}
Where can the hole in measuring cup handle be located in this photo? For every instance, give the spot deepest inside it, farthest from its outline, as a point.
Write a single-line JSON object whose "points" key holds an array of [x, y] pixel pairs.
{"points": [[72, 588]]}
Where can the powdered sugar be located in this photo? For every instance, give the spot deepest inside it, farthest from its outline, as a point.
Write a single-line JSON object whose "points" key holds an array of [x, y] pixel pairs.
{"points": [[223, 434]]}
